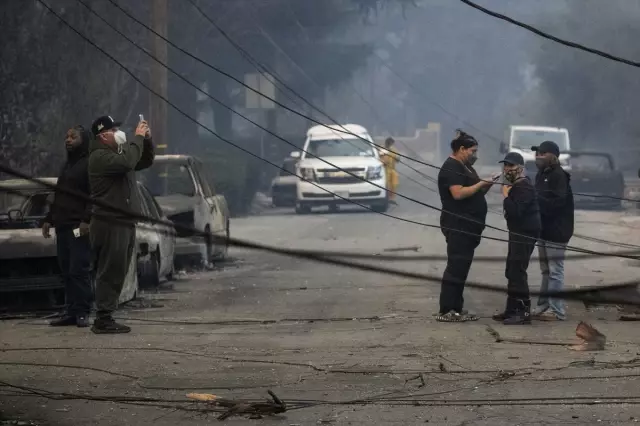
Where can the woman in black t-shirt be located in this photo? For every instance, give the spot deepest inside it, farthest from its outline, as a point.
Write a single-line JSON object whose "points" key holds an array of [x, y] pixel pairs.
{"points": [[462, 220]]}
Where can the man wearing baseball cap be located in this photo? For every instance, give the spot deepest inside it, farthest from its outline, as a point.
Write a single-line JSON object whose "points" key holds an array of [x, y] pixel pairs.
{"points": [[113, 162], [555, 198], [523, 221]]}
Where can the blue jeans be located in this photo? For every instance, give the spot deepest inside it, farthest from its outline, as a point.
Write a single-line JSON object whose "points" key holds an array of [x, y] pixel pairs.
{"points": [[74, 258], [552, 268]]}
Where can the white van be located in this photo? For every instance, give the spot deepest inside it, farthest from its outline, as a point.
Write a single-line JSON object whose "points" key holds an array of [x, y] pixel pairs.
{"points": [[350, 148], [522, 138]]}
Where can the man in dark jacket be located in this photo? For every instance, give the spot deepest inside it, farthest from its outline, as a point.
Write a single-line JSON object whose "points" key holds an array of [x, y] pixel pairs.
{"points": [[555, 198], [68, 213], [522, 213], [112, 165]]}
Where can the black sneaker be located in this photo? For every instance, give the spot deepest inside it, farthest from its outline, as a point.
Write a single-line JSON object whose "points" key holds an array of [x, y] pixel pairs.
{"points": [[107, 325], [82, 321], [65, 321], [521, 318], [499, 317]]}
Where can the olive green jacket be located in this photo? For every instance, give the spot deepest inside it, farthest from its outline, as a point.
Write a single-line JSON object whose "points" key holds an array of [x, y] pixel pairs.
{"points": [[112, 176]]}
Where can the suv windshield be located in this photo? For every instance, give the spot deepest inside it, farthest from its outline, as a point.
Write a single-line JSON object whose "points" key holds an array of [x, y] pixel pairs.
{"points": [[340, 148], [592, 163], [525, 139], [164, 179]]}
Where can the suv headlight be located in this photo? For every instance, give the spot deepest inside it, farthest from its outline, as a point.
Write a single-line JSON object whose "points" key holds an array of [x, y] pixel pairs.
{"points": [[374, 172], [308, 173]]}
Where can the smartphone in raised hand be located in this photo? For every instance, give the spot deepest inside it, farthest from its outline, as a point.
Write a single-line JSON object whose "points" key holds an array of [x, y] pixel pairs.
{"points": [[141, 117]]}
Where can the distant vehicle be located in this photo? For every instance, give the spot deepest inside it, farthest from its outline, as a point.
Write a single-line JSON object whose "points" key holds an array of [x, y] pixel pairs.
{"points": [[522, 138], [28, 262], [178, 184], [350, 148], [156, 243], [283, 186], [594, 176]]}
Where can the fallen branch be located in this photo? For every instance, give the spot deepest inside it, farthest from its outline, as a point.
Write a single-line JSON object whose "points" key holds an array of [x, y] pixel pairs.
{"points": [[255, 410], [398, 249], [590, 339]]}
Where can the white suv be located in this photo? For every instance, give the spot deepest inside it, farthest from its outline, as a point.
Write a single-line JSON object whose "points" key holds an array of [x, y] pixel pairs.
{"points": [[351, 150]]}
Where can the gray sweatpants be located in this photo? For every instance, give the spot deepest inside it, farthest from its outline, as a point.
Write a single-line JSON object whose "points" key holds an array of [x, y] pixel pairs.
{"points": [[112, 245]]}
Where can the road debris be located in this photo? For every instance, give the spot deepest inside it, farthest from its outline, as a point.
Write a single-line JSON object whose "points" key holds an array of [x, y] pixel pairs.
{"points": [[397, 249], [590, 339], [254, 410]]}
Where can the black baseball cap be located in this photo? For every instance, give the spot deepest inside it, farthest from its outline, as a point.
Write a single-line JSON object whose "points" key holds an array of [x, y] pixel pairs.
{"points": [[104, 123], [547, 147], [513, 158]]}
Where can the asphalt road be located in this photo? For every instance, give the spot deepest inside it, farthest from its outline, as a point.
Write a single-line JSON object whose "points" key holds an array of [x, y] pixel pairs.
{"points": [[352, 343]]}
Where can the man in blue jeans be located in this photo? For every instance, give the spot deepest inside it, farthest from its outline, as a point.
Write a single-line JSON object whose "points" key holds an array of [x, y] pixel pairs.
{"points": [[69, 213], [553, 187]]}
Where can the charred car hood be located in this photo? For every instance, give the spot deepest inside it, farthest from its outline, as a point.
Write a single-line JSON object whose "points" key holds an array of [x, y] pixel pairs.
{"points": [[25, 243], [176, 203]]}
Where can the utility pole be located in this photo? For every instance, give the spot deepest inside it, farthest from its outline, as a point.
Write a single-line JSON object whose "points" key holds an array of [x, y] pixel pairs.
{"points": [[158, 107]]}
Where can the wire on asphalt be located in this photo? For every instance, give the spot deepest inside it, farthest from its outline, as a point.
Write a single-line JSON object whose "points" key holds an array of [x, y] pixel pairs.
{"points": [[595, 294], [298, 113], [537, 241], [550, 36]]}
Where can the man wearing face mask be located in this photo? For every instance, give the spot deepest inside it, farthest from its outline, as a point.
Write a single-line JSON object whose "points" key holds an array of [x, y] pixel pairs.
{"points": [[555, 198], [522, 213], [112, 165], [462, 220]]}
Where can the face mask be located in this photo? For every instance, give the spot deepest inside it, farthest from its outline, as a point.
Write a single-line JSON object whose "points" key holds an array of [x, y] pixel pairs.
{"points": [[472, 158], [120, 137], [511, 175], [542, 163]]}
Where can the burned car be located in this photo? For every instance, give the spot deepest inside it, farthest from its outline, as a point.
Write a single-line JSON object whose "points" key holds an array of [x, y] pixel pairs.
{"points": [[180, 185], [28, 261], [595, 181]]}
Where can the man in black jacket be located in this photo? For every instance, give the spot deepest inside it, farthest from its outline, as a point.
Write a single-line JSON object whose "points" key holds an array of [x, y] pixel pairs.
{"points": [[522, 213], [68, 214], [553, 187]]}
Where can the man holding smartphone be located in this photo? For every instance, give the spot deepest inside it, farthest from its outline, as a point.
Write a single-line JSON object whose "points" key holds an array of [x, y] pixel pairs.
{"points": [[71, 216], [113, 162]]}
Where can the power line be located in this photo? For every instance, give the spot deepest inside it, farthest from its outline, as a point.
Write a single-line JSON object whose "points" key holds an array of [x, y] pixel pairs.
{"points": [[261, 68], [277, 81], [570, 248], [583, 294], [550, 36], [168, 226], [226, 74]]}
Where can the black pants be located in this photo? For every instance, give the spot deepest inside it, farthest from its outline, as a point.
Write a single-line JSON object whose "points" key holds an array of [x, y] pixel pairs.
{"points": [[460, 250], [74, 258], [518, 256], [112, 246]]}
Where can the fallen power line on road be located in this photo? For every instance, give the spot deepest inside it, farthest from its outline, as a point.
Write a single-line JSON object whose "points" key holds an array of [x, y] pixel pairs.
{"points": [[617, 293]]}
